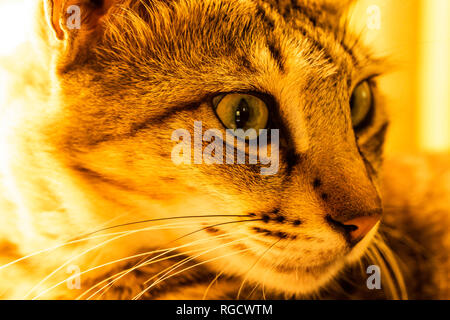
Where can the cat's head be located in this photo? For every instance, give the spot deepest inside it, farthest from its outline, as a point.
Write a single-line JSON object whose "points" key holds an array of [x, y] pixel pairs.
{"points": [[138, 71]]}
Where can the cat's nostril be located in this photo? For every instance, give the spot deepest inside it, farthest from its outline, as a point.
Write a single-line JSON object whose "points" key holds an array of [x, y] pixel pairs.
{"points": [[363, 226], [347, 228], [355, 229]]}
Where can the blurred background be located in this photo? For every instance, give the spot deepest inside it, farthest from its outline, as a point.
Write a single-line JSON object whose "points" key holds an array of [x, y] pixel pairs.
{"points": [[414, 33]]}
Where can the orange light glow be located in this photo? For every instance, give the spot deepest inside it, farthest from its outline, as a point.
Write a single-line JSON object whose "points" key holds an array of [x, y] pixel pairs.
{"points": [[434, 79], [15, 24]]}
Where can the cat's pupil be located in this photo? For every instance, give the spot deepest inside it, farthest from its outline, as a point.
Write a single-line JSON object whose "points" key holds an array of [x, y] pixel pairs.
{"points": [[242, 114]]}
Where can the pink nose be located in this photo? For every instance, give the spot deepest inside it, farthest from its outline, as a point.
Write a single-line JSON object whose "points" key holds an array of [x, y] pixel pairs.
{"points": [[363, 226], [356, 229]]}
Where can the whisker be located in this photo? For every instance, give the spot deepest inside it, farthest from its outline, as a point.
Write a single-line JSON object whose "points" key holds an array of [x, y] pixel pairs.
{"points": [[89, 236], [263, 290], [184, 261], [180, 263], [127, 233], [394, 271], [253, 290], [150, 261], [390, 256], [126, 271], [57, 247], [205, 294], [253, 266], [262, 285], [387, 274], [186, 235], [117, 261], [407, 240], [378, 259], [191, 267], [169, 218]]}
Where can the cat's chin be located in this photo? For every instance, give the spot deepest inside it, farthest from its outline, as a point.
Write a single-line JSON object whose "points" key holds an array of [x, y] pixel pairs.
{"points": [[314, 278], [305, 281], [300, 281]]}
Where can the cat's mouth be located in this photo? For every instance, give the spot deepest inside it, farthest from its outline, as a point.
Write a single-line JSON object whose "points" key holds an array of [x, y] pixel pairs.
{"points": [[313, 269], [299, 262]]}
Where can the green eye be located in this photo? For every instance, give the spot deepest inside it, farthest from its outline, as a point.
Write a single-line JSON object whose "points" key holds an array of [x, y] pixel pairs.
{"points": [[361, 103], [241, 111]]}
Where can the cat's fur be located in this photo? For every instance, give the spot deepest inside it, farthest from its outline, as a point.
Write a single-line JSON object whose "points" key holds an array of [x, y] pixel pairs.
{"points": [[87, 146]]}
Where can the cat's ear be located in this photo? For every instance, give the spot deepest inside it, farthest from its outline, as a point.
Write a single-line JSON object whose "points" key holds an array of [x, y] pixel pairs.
{"points": [[76, 24], [76, 16]]}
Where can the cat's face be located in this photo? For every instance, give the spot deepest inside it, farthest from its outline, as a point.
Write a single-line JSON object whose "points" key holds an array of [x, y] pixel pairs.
{"points": [[160, 68]]}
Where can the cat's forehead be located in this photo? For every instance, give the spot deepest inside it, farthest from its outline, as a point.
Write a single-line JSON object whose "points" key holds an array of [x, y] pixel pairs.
{"points": [[192, 33]]}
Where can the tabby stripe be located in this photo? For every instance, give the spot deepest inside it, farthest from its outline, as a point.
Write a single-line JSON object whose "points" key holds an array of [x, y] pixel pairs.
{"points": [[275, 52], [175, 284], [270, 22], [93, 175], [376, 141], [261, 13], [311, 17], [160, 119], [309, 14]]}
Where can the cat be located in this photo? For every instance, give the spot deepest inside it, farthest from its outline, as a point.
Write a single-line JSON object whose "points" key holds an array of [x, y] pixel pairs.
{"points": [[94, 207]]}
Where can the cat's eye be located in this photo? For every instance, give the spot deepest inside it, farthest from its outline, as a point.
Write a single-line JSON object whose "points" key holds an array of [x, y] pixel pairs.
{"points": [[361, 104], [241, 111]]}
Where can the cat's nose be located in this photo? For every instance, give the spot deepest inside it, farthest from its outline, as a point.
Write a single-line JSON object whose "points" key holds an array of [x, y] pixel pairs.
{"points": [[361, 227], [355, 229]]}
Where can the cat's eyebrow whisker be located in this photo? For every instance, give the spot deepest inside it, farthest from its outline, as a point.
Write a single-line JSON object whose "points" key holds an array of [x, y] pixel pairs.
{"points": [[167, 271], [122, 234], [253, 266], [148, 262]]}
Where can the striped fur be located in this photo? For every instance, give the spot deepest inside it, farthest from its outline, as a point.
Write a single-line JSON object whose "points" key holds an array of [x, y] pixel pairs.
{"points": [[90, 150]]}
